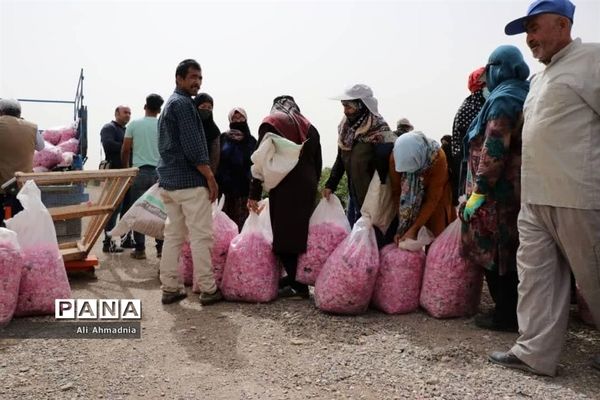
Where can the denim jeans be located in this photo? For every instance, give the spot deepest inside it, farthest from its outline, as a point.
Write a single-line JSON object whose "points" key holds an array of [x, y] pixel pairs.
{"points": [[143, 181]]}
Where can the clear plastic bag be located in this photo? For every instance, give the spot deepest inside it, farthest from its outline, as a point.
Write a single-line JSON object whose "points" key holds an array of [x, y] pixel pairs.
{"points": [[49, 157], [424, 237], [71, 145], [451, 286], [11, 267], [328, 227], [398, 284], [345, 284], [251, 271], [60, 134], [44, 278], [224, 231]]}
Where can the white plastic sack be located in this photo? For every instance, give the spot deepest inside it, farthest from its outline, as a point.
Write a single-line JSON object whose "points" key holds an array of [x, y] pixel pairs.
{"points": [[11, 267], [274, 158], [379, 204], [146, 216], [251, 272], [424, 237], [345, 284], [328, 227], [44, 278]]}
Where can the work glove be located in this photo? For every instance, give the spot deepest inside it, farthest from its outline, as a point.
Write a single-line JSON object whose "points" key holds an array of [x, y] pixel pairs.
{"points": [[475, 201]]}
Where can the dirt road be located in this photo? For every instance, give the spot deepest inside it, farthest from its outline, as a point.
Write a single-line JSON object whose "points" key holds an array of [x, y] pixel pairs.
{"points": [[283, 350]]}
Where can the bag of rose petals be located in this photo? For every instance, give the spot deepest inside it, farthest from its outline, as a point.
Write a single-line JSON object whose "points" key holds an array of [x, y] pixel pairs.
{"points": [[327, 228], [11, 266], [44, 278], [251, 271], [398, 283], [345, 284], [451, 287], [224, 231]]}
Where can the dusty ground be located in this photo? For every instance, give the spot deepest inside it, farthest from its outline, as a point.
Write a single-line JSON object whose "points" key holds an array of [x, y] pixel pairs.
{"points": [[283, 350]]}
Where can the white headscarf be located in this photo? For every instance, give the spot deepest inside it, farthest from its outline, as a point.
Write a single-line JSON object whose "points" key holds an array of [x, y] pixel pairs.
{"points": [[413, 151]]}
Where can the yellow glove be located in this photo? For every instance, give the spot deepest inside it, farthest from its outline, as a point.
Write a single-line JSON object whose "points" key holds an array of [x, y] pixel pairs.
{"points": [[475, 201]]}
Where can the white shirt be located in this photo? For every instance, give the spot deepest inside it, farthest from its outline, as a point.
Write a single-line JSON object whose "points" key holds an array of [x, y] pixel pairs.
{"points": [[561, 131]]}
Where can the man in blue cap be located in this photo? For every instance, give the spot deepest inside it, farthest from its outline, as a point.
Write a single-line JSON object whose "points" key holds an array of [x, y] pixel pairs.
{"points": [[559, 221]]}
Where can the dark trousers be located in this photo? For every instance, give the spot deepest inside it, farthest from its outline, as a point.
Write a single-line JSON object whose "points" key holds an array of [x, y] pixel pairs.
{"points": [[146, 177], [290, 264], [503, 290]]}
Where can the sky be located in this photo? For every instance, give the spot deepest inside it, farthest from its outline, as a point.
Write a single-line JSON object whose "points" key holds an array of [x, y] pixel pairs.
{"points": [[415, 55]]}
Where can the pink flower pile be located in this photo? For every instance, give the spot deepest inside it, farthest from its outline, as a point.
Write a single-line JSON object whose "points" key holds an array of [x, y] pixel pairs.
{"points": [[58, 141], [224, 230], [51, 136], [67, 133], [251, 272], [323, 239], [345, 284], [398, 284], [60, 134], [49, 157], [43, 280], [11, 266], [451, 287], [584, 310], [71, 145]]}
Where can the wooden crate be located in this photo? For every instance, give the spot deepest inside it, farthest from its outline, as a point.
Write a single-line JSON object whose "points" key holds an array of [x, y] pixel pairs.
{"points": [[114, 184]]}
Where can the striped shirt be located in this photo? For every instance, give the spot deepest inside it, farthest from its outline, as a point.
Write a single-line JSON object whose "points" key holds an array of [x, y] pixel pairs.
{"points": [[181, 144]]}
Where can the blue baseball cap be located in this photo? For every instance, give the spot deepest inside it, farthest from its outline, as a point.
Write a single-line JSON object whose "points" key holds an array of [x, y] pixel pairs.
{"points": [[560, 7]]}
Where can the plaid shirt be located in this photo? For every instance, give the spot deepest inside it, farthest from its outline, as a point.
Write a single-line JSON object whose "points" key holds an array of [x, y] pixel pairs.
{"points": [[181, 144]]}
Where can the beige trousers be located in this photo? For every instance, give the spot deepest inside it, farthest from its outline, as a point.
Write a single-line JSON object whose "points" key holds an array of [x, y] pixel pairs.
{"points": [[554, 241], [189, 213]]}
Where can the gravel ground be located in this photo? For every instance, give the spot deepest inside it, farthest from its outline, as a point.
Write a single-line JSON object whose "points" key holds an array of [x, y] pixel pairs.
{"points": [[283, 350]]}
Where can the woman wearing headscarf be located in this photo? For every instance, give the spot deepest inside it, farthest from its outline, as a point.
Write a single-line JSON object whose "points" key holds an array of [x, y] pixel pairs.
{"points": [[464, 116], [204, 104], [420, 186], [493, 142], [233, 176], [364, 144], [292, 201]]}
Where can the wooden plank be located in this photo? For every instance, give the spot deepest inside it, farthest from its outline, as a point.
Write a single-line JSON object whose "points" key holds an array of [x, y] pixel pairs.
{"points": [[77, 211], [72, 254], [67, 245], [52, 178]]}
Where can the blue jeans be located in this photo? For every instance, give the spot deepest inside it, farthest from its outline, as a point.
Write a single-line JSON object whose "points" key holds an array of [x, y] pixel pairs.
{"points": [[142, 182]]}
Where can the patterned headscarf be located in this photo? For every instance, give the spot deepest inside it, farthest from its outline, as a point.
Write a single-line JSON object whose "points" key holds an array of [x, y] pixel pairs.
{"points": [[414, 154], [286, 118], [367, 128]]}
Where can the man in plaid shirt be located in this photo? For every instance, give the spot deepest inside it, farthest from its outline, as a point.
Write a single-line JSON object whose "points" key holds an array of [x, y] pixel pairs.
{"points": [[188, 188]]}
